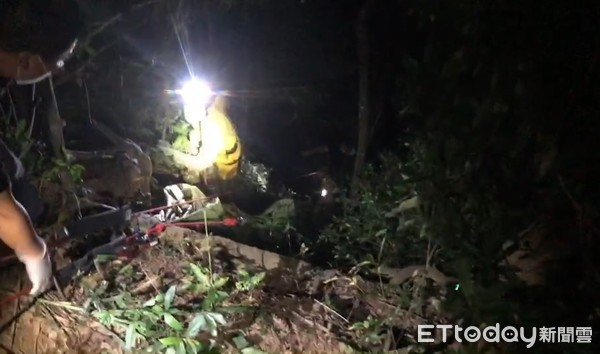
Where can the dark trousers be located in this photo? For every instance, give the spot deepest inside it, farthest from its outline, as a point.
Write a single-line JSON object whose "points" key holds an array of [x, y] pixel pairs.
{"points": [[27, 194], [23, 190]]}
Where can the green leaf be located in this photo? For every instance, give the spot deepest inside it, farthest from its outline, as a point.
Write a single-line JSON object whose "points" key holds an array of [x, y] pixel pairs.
{"points": [[252, 350], [198, 323], [104, 317], [169, 296], [213, 298], [248, 282], [193, 345], [120, 302], [170, 341], [149, 303], [211, 325], [127, 269], [150, 316], [143, 328], [157, 309], [181, 348], [217, 317], [172, 322], [130, 337], [240, 342], [201, 277], [220, 282], [257, 278]]}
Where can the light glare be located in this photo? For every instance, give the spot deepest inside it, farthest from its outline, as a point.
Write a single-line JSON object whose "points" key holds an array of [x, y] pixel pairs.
{"points": [[195, 95], [195, 91]]}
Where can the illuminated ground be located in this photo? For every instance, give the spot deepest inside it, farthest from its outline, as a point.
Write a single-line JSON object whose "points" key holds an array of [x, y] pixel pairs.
{"points": [[290, 310]]}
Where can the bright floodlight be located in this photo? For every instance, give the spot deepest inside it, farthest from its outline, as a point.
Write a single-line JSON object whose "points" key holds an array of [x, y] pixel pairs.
{"points": [[194, 91], [323, 192], [195, 94]]}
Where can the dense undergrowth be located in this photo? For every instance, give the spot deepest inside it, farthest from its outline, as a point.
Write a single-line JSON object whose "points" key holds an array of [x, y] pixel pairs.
{"points": [[500, 145]]}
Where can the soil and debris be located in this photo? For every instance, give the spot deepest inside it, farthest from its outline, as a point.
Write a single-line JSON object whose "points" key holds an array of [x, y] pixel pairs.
{"points": [[165, 300]]}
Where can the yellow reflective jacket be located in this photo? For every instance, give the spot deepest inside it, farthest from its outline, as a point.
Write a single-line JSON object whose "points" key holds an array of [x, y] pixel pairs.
{"points": [[220, 139]]}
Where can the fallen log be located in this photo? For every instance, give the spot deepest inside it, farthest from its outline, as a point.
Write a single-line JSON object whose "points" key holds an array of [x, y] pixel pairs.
{"points": [[256, 257]]}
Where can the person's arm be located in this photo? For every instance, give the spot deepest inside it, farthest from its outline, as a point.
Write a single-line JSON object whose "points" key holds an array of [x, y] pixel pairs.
{"points": [[16, 229]]}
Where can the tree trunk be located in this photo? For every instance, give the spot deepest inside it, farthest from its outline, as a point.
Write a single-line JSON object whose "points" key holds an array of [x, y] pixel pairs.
{"points": [[364, 103], [56, 125], [51, 114]]}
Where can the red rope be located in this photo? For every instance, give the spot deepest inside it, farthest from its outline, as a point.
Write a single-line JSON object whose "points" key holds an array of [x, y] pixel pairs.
{"points": [[226, 222], [13, 297], [157, 230]]}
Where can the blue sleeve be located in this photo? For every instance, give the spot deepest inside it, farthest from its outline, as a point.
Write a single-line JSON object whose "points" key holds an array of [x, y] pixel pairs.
{"points": [[6, 158], [4, 175]]}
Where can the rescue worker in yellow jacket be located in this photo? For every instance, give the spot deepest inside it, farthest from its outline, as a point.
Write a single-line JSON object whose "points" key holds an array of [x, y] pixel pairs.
{"points": [[220, 140], [214, 140]]}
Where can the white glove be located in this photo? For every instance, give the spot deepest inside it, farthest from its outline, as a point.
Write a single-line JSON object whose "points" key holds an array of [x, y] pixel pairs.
{"points": [[39, 270]]}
